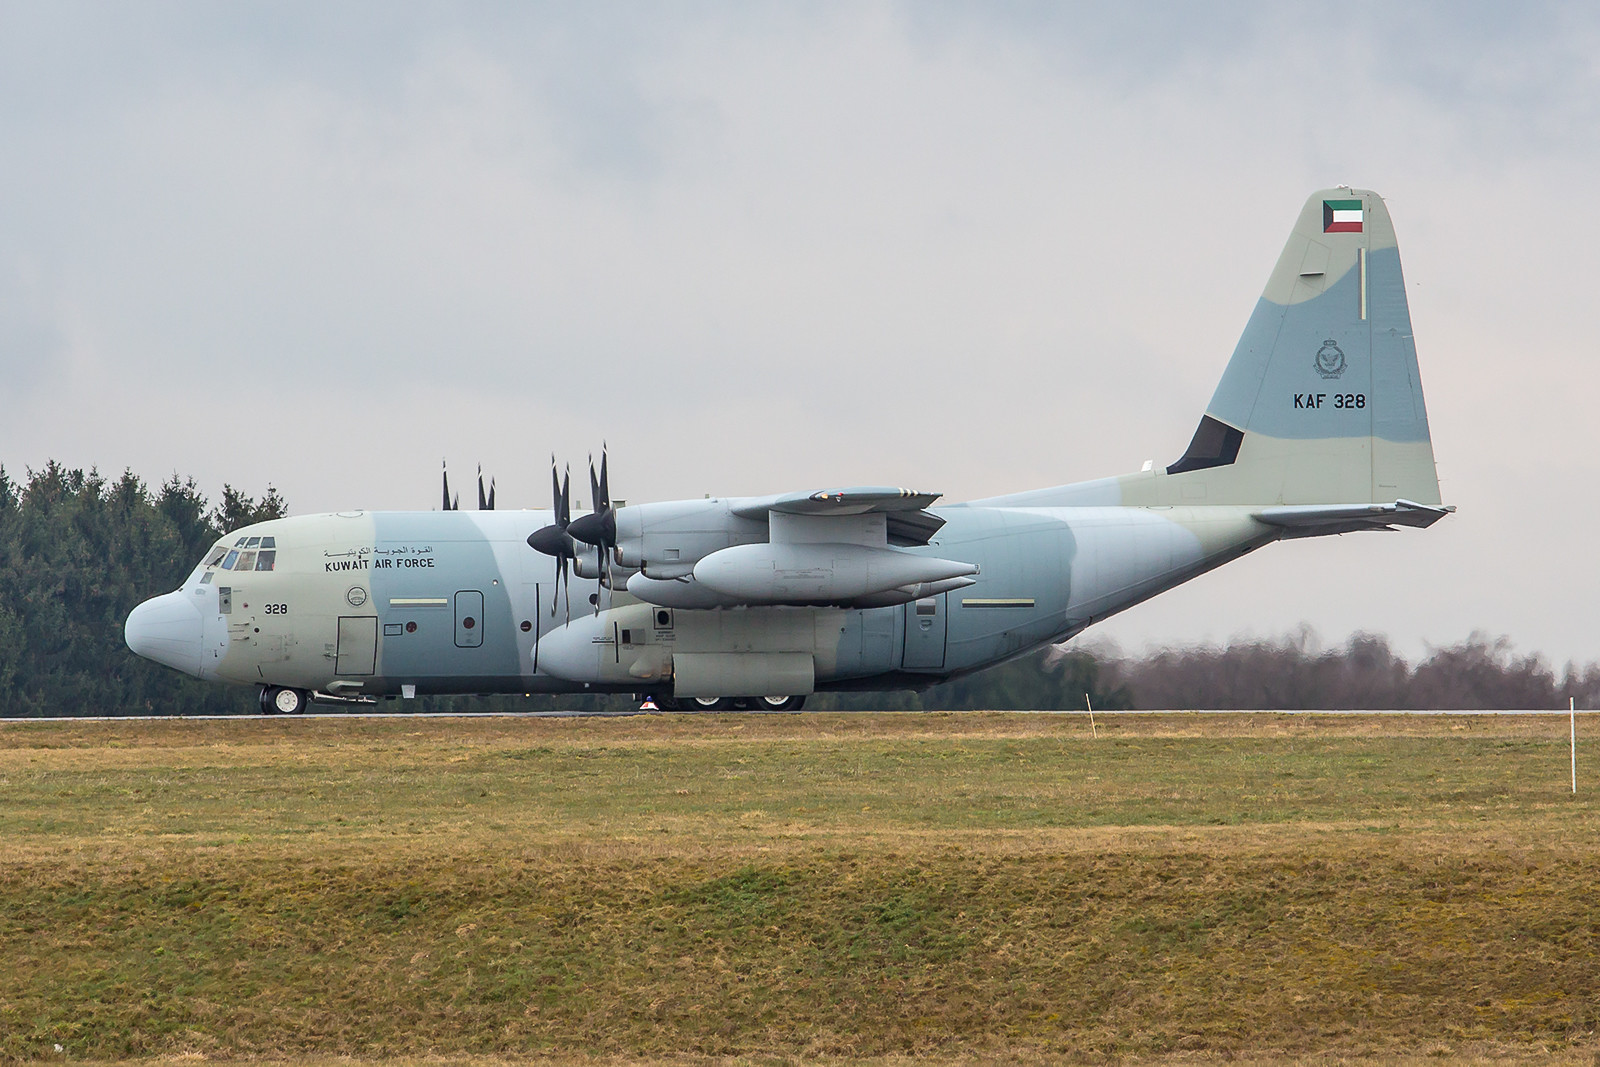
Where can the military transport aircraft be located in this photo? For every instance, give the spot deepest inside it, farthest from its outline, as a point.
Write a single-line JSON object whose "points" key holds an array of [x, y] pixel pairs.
{"points": [[1317, 427]]}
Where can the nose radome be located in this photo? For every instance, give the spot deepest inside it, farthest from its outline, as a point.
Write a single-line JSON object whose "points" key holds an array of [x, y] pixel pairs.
{"points": [[168, 630]]}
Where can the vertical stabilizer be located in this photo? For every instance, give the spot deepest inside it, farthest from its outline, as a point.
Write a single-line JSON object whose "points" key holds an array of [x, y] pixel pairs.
{"points": [[1322, 401]]}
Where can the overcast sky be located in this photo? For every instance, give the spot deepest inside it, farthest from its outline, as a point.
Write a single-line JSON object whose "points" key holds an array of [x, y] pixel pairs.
{"points": [[972, 248]]}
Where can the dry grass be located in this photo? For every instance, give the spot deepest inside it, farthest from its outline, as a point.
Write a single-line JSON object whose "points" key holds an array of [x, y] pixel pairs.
{"points": [[773, 889]]}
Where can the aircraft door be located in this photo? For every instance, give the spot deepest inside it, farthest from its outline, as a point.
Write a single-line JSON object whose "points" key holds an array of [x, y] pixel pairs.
{"points": [[358, 645], [469, 619], [925, 633]]}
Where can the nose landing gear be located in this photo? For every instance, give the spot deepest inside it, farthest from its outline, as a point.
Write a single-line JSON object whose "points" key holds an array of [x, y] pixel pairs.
{"points": [[279, 700]]}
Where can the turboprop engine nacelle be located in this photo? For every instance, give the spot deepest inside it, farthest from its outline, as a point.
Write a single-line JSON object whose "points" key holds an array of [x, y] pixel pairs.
{"points": [[665, 540], [584, 565], [821, 574]]}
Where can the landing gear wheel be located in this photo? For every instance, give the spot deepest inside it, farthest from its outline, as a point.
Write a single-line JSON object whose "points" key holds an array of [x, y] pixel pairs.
{"points": [[277, 700], [668, 704], [779, 703], [708, 703]]}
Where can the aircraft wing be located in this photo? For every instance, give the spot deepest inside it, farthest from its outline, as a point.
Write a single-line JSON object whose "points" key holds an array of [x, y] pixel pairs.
{"points": [[904, 509], [1314, 520]]}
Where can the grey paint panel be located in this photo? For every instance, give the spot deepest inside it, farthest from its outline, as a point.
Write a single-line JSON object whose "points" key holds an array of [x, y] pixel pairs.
{"points": [[926, 629], [358, 646]]}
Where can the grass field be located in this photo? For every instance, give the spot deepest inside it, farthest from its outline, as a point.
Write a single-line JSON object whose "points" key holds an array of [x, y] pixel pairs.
{"points": [[797, 888]]}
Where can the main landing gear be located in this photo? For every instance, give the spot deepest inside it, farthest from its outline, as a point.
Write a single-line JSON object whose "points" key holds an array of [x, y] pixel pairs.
{"points": [[279, 700], [730, 703]]}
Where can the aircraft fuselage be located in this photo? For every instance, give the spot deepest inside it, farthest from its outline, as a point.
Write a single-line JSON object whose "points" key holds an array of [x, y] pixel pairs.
{"points": [[394, 603]]}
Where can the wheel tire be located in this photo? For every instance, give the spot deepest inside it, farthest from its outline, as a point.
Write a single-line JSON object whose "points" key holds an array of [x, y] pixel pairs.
{"points": [[280, 700], [668, 704], [779, 703], [708, 703]]}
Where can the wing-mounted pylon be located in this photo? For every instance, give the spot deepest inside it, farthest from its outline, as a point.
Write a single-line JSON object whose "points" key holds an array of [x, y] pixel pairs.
{"points": [[830, 548]]}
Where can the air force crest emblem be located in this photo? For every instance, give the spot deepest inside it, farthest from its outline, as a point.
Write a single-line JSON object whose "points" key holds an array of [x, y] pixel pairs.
{"points": [[1330, 360]]}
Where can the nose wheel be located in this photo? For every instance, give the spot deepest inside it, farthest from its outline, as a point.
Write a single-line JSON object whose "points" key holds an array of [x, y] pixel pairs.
{"points": [[279, 700]]}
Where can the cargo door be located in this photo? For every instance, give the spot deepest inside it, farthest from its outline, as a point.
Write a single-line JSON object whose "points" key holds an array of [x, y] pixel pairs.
{"points": [[925, 633], [469, 618], [358, 645]]}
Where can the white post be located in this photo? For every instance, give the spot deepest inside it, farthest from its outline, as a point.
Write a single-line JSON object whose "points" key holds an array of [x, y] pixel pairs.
{"points": [[1096, 730], [1572, 716]]}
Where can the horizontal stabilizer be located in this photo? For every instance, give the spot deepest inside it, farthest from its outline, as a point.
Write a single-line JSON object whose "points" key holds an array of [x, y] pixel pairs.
{"points": [[1311, 520]]}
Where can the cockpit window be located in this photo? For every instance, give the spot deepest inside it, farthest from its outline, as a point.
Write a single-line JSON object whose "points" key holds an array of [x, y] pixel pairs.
{"points": [[245, 555]]}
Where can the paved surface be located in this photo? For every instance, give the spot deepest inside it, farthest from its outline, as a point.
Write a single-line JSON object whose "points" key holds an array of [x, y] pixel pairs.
{"points": [[629, 714]]}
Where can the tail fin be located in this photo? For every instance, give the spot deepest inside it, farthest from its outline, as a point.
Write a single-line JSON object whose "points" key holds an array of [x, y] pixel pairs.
{"points": [[1321, 402]]}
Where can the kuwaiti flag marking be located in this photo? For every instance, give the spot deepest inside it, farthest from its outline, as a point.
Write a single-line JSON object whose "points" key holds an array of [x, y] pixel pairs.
{"points": [[1341, 216]]}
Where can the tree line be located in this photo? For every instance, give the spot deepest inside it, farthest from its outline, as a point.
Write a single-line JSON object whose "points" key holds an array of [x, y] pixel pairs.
{"points": [[78, 551]]}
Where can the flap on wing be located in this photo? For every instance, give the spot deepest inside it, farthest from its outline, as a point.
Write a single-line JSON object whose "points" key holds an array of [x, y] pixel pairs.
{"points": [[908, 528], [1307, 520], [908, 523]]}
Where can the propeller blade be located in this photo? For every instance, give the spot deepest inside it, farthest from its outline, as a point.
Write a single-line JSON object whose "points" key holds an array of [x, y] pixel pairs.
{"points": [[483, 501], [554, 540], [491, 493], [445, 473]]}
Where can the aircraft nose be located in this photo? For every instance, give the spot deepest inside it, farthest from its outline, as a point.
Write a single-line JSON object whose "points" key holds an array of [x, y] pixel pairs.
{"points": [[168, 630]]}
